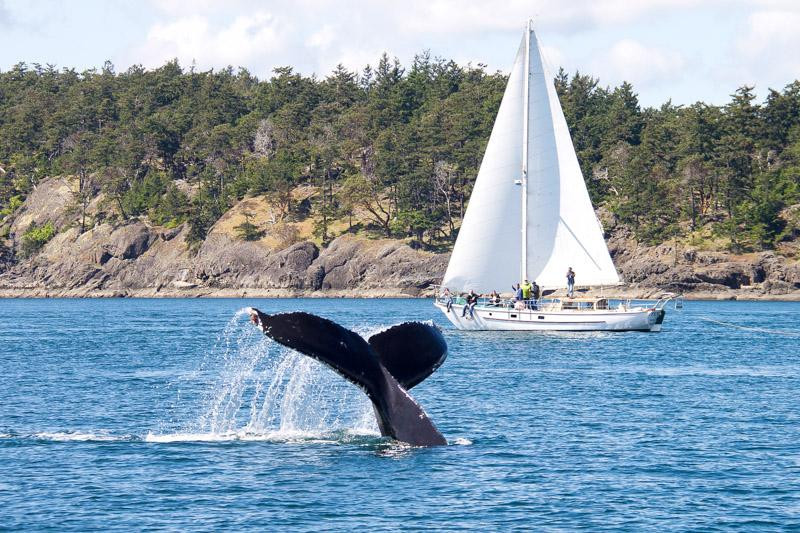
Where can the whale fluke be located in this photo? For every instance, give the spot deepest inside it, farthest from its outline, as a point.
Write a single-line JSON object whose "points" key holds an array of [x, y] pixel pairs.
{"points": [[410, 351], [413, 350]]}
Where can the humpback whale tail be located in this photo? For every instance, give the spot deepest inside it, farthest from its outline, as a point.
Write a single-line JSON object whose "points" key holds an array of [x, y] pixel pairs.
{"points": [[384, 366]]}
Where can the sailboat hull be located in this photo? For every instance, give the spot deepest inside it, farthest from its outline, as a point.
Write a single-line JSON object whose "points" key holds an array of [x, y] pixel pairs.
{"points": [[507, 319]]}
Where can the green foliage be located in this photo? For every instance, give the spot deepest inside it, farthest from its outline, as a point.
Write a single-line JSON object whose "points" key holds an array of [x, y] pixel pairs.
{"points": [[672, 170], [144, 194], [35, 237], [157, 197], [759, 215], [247, 231], [204, 210], [399, 145], [170, 208], [13, 203]]}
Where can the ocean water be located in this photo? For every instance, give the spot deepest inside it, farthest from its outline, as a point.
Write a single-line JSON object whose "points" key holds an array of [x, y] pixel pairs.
{"points": [[178, 415]]}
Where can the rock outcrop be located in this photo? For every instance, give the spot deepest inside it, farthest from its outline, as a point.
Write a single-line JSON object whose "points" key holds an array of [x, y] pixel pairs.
{"points": [[50, 201], [226, 262], [349, 263], [138, 260], [133, 258], [703, 273], [6, 257]]}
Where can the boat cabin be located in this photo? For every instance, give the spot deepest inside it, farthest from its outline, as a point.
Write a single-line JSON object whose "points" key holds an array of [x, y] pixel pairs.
{"points": [[584, 304]]}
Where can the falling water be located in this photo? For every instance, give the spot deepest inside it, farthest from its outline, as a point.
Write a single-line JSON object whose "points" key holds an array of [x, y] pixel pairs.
{"points": [[259, 389]]}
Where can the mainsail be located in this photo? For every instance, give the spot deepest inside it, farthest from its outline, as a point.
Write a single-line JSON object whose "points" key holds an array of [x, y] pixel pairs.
{"points": [[561, 229]]}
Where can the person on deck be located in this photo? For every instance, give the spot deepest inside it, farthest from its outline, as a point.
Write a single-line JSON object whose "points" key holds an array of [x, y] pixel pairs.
{"points": [[526, 292], [518, 297], [472, 300], [494, 298], [448, 298], [526, 289], [570, 282], [535, 293], [517, 292]]}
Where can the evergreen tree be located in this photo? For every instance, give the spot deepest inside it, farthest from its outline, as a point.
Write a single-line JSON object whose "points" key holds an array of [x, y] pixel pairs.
{"points": [[395, 148]]}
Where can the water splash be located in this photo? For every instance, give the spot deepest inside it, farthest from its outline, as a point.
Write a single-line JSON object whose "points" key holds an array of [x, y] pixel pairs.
{"points": [[260, 390]]}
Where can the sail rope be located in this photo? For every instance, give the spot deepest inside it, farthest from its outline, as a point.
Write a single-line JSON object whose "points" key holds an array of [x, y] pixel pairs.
{"points": [[758, 330]]}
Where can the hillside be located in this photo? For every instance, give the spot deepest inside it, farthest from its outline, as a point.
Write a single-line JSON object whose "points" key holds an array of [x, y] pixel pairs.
{"points": [[173, 179], [138, 258]]}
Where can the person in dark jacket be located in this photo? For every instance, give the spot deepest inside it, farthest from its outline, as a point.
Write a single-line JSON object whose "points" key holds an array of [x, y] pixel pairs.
{"points": [[472, 300], [570, 282], [535, 293]]}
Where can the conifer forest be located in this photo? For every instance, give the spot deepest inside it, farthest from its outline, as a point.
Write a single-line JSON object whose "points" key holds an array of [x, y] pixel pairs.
{"points": [[398, 144]]}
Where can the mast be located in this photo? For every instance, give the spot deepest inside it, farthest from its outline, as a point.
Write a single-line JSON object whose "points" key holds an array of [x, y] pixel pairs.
{"points": [[556, 221], [525, 115]]}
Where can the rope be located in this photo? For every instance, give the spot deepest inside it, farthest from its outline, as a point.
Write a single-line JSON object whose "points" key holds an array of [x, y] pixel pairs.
{"points": [[758, 330]]}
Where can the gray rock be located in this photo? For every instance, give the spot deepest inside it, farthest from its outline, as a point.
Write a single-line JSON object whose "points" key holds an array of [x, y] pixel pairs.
{"points": [[287, 269], [225, 262], [315, 277], [731, 275], [350, 263], [133, 258], [50, 201], [131, 241], [6, 257]]}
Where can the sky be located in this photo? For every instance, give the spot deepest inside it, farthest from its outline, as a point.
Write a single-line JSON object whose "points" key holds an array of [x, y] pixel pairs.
{"points": [[683, 50]]}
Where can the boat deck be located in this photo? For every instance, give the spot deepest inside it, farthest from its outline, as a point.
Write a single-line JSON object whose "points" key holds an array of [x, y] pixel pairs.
{"points": [[562, 304]]}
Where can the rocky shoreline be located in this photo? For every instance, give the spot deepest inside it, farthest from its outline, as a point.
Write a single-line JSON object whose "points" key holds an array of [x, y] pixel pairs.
{"points": [[135, 259], [365, 294]]}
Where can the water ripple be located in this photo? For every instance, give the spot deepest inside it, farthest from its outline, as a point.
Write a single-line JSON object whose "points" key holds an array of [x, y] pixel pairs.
{"points": [[178, 415]]}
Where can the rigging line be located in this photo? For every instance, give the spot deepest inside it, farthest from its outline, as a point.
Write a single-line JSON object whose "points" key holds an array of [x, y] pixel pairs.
{"points": [[759, 330], [564, 223]]}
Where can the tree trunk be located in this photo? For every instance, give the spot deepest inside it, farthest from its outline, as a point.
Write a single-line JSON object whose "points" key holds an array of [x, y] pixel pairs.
{"points": [[324, 208], [121, 209]]}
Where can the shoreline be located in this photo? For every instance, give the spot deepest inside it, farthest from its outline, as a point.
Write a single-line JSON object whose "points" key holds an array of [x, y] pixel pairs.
{"points": [[366, 294], [135, 259]]}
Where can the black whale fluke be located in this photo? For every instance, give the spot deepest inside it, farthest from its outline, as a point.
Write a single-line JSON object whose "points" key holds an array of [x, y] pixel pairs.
{"points": [[410, 351], [385, 366]]}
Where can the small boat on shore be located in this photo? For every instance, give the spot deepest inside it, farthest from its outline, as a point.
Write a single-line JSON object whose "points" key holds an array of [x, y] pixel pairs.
{"points": [[530, 218]]}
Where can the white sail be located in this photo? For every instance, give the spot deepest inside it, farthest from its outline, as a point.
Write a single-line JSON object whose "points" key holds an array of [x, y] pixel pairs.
{"points": [[561, 227], [563, 230], [487, 253]]}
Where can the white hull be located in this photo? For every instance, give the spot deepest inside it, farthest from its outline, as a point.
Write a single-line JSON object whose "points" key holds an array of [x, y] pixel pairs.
{"points": [[507, 319]]}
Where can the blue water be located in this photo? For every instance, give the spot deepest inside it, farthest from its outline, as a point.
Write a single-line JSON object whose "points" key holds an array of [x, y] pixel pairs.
{"points": [[176, 414]]}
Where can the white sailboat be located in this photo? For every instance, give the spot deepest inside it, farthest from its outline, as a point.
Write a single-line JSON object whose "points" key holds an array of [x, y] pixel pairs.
{"points": [[530, 218]]}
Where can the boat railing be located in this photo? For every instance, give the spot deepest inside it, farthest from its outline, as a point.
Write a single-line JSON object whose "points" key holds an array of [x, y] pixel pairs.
{"points": [[541, 304], [490, 302], [655, 303], [572, 304]]}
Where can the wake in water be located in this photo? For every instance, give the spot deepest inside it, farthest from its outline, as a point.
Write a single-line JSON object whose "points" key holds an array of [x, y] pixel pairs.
{"points": [[263, 391], [754, 329]]}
